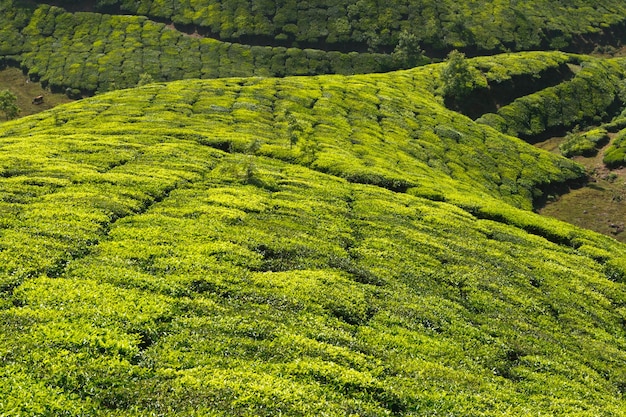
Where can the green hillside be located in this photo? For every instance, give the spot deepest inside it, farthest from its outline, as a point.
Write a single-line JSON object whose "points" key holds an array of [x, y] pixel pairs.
{"points": [[103, 45], [331, 245], [89, 52], [482, 25]]}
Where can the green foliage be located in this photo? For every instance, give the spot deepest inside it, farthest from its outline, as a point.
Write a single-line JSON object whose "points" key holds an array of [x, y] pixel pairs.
{"points": [[615, 269], [505, 67], [586, 98], [584, 143], [8, 104], [443, 25], [144, 79], [94, 52], [456, 76], [326, 245], [459, 78], [615, 155], [408, 51]]}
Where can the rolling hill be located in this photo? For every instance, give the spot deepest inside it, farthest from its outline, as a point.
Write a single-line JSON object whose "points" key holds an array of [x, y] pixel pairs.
{"points": [[329, 245], [484, 26], [263, 210]]}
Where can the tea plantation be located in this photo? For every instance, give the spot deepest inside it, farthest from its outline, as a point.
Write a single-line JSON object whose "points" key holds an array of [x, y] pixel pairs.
{"points": [[89, 52], [330, 245], [445, 24], [102, 45]]}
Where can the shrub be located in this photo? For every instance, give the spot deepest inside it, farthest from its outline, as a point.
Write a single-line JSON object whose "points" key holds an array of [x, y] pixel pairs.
{"points": [[615, 155], [584, 143], [8, 104], [459, 78]]}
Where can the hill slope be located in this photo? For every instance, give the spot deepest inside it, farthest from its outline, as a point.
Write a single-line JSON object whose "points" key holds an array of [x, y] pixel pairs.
{"points": [[301, 246], [98, 46], [93, 52], [485, 25]]}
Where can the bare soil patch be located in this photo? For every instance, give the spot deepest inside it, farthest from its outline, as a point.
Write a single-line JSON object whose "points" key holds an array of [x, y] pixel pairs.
{"points": [[598, 206]]}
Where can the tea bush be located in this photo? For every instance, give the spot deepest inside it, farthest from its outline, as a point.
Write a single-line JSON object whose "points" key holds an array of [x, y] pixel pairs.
{"points": [[615, 155], [584, 143]]}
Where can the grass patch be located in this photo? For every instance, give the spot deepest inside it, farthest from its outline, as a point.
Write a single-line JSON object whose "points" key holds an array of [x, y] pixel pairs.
{"points": [[13, 79]]}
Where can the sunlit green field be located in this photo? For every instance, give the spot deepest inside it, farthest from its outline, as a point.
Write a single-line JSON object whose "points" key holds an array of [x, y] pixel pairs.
{"points": [[331, 245]]}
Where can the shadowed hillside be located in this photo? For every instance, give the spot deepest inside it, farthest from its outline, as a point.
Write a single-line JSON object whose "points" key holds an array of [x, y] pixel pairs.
{"points": [[324, 245], [92, 52]]}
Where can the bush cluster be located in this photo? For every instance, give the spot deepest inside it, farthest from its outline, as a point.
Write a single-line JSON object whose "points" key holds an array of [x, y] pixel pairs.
{"points": [[588, 97], [584, 143], [615, 155]]}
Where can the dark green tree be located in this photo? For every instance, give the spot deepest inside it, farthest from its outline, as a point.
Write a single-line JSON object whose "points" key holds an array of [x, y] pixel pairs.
{"points": [[457, 76], [8, 104], [294, 128], [408, 52], [145, 79]]}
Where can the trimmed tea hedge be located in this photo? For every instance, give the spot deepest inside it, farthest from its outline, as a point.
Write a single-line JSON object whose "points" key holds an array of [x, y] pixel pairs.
{"points": [[588, 97], [441, 25]]}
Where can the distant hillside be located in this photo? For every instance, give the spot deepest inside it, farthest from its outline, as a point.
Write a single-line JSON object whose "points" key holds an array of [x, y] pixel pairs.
{"points": [[98, 46], [331, 245], [482, 26], [91, 52]]}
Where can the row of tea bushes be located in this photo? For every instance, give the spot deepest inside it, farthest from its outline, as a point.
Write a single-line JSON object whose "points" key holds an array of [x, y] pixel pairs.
{"points": [[588, 97], [98, 52], [615, 155], [344, 126], [504, 67], [223, 296], [444, 25]]}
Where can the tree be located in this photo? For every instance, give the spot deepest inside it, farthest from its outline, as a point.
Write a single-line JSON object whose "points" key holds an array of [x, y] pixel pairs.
{"points": [[294, 128], [407, 52], [8, 104], [145, 79], [457, 76]]}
